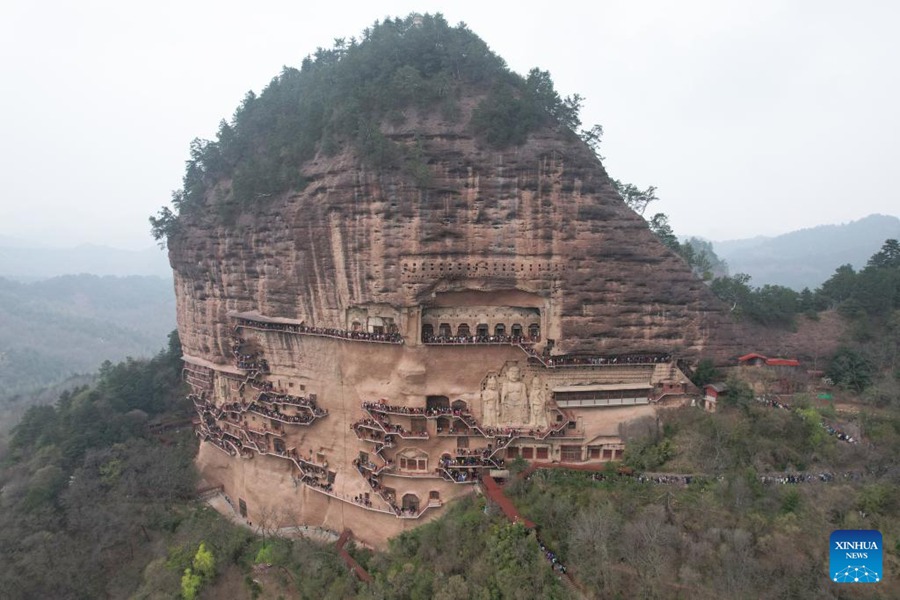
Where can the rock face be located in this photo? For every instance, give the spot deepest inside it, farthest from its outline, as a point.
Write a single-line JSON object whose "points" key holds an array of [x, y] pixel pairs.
{"points": [[364, 348], [541, 220]]}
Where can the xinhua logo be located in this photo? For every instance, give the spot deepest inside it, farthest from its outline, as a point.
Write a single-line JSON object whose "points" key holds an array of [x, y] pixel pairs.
{"points": [[855, 556]]}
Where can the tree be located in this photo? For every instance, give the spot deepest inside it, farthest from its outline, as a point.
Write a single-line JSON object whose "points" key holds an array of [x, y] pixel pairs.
{"points": [[592, 541], [637, 199], [850, 369], [659, 225], [887, 257], [839, 286], [592, 137], [163, 225], [706, 262], [706, 373], [190, 584], [204, 563]]}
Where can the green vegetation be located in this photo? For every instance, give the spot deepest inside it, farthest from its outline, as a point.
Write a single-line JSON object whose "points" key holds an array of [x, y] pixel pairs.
{"points": [[725, 535], [95, 505], [341, 97], [637, 199], [468, 553], [697, 253], [512, 111], [869, 298]]}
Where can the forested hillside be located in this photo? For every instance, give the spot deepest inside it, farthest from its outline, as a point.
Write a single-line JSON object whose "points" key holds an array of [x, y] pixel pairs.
{"points": [[99, 497], [98, 500]]}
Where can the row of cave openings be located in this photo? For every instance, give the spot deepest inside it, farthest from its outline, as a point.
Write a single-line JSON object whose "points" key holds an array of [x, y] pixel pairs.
{"points": [[481, 330]]}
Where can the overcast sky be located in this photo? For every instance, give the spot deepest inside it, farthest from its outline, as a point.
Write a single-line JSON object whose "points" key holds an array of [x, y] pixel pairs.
{"points": [[750, 117]]}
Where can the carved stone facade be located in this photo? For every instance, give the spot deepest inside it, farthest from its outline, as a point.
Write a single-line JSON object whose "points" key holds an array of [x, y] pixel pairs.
{"points": [[363, 350]]}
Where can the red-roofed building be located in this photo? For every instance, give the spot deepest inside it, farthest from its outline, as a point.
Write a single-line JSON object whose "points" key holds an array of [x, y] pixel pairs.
{"points": [[752, 360], [711, 393], [782, 362], [755, 359]]}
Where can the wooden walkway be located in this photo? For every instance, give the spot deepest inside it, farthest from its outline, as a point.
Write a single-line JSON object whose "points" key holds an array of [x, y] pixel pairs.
{"points": [[493, 491], [354, 566]]}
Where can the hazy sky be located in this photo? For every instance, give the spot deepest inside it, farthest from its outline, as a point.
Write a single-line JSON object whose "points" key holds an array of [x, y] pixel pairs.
{"points": [[750, 117]]}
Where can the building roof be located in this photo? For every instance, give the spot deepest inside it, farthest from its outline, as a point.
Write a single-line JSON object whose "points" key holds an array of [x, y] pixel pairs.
{"points": [[602, 387], [718, 386], [782, 362], [772, 362], [256, 316]]}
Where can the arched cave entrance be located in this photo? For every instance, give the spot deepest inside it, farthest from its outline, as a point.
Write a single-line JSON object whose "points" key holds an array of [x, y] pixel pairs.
{"points": [[444, 330], [482, 330], [463, 330], [499, 329], [427, 332], [516, 330], [534, 332], [411, 503], [437, 402]]}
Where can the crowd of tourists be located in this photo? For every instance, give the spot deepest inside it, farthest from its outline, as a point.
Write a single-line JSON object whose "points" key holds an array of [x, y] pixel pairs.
{"points": [[362, 336], [369, 429], [767, 479], [483, 459], [665, 479], [277, 415], [299, 401], [363, 499], [379, 489], [398, 429], [458, 475], [318, 483], [551, 557], [590, 361], [271, 413], [382, 407], [840, 434], [477, 339], [482, 452], [249, 362], [773, 402], [823, 477]]}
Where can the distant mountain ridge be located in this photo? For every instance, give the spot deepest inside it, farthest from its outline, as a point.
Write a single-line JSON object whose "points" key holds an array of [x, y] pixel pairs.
{"points": [[33, 262], [808, 257], [66, 325]]}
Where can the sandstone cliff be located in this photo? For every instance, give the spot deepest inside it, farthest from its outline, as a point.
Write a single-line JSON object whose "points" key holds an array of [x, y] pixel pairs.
{"points": [[448, 285], [541, 218]]}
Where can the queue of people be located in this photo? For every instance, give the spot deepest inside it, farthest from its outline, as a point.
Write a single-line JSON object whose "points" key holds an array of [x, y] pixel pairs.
{"points": [[344, 334], [840, 434], [298, 401], [592, 361], [477, 339]]}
